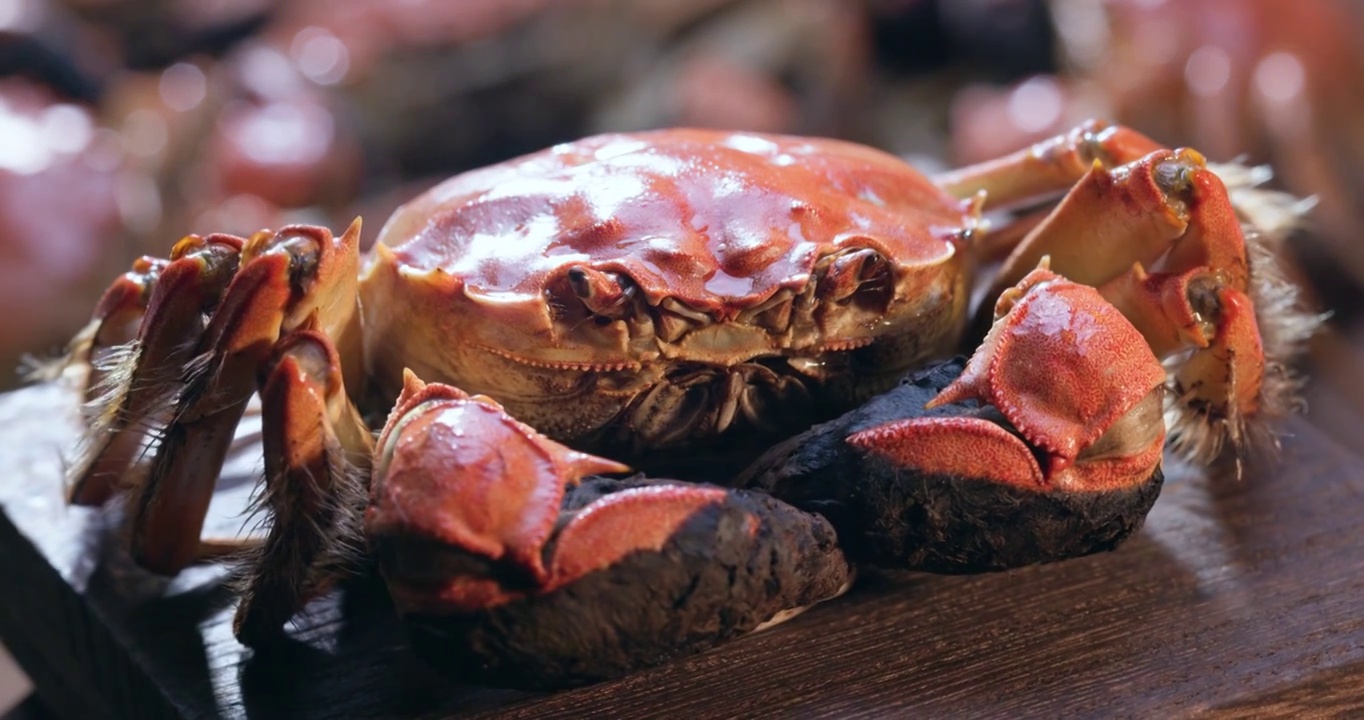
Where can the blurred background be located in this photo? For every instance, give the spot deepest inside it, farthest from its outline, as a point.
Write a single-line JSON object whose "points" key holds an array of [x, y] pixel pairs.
{"points": [[125, 124]]}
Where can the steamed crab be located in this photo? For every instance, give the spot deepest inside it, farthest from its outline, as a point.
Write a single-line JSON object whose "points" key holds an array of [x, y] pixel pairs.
{"points": [[652, 296]]}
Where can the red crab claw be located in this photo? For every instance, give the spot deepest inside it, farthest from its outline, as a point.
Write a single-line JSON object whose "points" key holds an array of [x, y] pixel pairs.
{"points": [[1045, 445], [1185, 248], [512, 566]]}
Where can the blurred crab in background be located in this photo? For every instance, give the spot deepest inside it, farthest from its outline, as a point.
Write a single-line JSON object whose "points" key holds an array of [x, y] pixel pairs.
{"points": [[50, 154], [788, 305]]}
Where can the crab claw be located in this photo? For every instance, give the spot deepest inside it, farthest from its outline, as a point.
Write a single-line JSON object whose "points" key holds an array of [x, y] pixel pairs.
{"points": [[1062, 365], [1045, 445], [512, 566]]}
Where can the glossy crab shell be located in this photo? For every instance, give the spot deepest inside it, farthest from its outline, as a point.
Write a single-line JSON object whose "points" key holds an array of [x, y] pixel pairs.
{"points": [[660, 289]]}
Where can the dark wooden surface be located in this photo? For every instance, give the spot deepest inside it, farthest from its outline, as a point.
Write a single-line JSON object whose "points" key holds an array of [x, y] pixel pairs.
{"points": [[1240, 598], [31, 708]]}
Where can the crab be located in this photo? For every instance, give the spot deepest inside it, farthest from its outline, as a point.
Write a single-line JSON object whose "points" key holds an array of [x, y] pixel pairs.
{"points": [[524, 336]]}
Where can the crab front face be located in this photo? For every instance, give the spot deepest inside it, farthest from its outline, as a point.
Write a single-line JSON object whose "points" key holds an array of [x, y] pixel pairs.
{"points": [[647, 291]]}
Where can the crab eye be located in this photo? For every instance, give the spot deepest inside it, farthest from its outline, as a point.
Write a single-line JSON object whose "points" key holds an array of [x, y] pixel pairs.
{"points": [[580, 280], [587, 293], [859, 276]]}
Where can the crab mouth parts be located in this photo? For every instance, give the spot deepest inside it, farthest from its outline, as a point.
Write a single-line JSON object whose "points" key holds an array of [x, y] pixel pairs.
{"points": [[702, 402], [747, 404], [555, 364], [810, 360], [677, 402], [840, 305]]}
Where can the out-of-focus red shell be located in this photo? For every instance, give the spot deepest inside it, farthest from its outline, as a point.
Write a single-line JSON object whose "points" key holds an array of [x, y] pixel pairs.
{"points": [[717, 220]]}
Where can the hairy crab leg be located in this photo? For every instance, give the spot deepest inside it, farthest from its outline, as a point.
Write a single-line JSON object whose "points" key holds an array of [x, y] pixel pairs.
{"points": [[298, 276], [1160, 239], [1157, 231], [136, 380], [317, 456], [1111, 219], [116, 322], [1047, 168]]}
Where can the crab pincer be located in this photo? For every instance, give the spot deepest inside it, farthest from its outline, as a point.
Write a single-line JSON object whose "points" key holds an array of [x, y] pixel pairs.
{"points": [[513, 563], [1045, 445]]}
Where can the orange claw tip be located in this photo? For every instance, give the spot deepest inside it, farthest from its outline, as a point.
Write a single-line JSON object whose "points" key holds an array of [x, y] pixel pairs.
{"points": [[974, 381], [415, 390], [1191, 156], [148, 263], [973, 212], [1234, 302], [582, 464], [412, 384], [352, 233], [385, 255], [124, 292], [966, 387], [1036, 277]]}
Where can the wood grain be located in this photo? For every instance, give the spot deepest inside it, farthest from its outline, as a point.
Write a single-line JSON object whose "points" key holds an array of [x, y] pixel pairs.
{"points": [[1239, 598]]}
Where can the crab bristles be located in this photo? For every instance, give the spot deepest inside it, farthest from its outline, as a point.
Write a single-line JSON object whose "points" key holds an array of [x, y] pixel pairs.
{"points": [[1285, 325]]}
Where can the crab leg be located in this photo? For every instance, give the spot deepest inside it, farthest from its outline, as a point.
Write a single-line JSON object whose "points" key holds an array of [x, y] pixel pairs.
{"points": [[1135, 213], [116, 323], [286, 280], [1047, 168], [168, 508], [317, 452], [1161, 241], [140, 377], [1158, 232]]}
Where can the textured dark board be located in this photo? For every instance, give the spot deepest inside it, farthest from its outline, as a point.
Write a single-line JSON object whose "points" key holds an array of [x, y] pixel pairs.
{"points": [[1239, 598]]}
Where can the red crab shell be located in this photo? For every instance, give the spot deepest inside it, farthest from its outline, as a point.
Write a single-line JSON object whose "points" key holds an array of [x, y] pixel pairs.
{"points": [[662, 285]]}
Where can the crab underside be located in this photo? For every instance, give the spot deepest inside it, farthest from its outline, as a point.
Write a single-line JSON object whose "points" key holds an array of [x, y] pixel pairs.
{"points": [[796, 305]]}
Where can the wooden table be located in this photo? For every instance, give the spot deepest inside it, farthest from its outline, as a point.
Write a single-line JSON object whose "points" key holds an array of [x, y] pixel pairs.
{"points": [[1239, 598]]}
